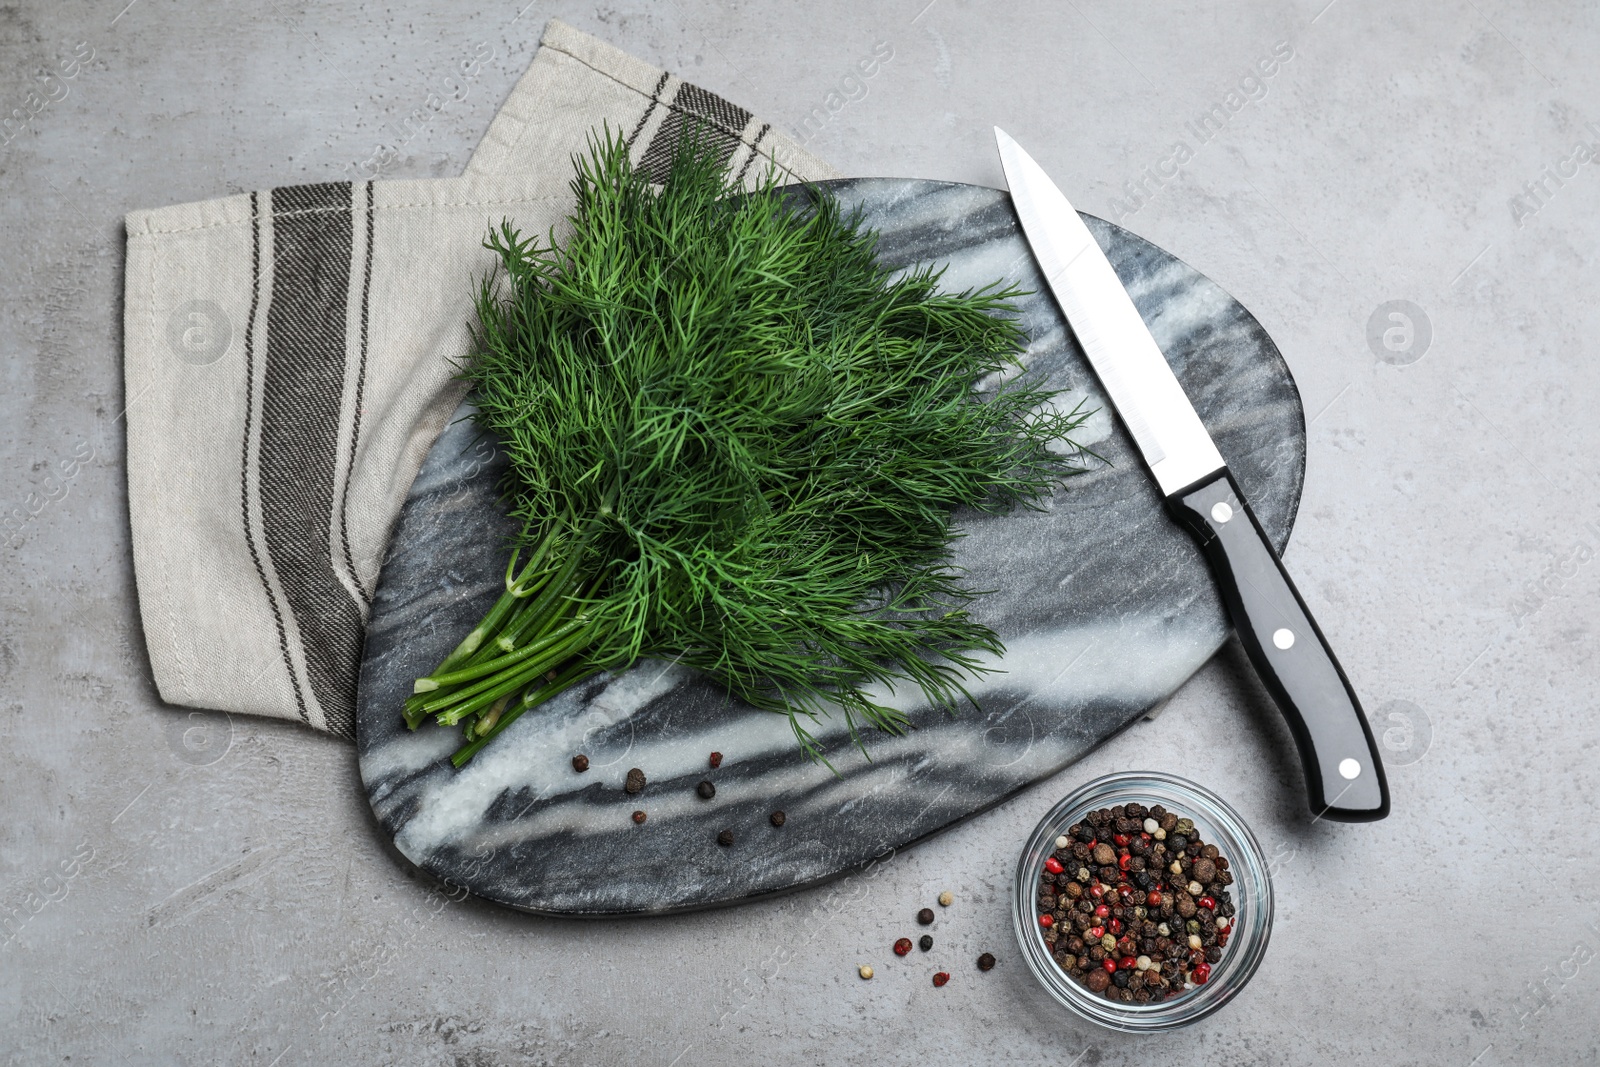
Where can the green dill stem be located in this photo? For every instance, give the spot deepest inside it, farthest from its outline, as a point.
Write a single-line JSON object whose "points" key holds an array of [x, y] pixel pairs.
{"points": [[494, 666], [532, 698], [536, 619], [513, 595], [450, 702], [493, 689], [511, 681], [452, 697], [487, 720]]}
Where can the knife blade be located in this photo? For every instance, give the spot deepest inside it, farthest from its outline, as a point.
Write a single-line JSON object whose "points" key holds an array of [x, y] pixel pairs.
{"points": [[1343, 771]]}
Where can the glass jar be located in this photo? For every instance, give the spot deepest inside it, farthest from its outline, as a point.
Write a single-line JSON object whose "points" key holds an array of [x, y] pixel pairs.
{"points": [[1217, 824]]}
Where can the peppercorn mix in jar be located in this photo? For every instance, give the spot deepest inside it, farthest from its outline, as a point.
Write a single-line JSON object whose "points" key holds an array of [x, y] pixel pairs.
{"points": [[1134, 905]]}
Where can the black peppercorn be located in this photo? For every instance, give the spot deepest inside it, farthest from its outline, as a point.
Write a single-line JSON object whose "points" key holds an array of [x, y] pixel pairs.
{"points": [[986, 962], [925, 916], [635, 781], [925, 942], [706, 790], [725, 838], [639, 816], [580, 763], [777, 818], [1120, 978], [1177, 842]]}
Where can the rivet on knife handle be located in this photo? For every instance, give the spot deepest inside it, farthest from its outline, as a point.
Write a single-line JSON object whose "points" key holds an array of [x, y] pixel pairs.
{"points": [[1344, 774]]}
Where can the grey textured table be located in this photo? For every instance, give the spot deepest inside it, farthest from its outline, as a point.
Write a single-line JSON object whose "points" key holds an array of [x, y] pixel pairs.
{"points": [[197, 890]]}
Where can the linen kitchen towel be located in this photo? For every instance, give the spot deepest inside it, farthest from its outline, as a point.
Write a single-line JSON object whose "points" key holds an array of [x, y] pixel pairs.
{"points": [[289, 358]]}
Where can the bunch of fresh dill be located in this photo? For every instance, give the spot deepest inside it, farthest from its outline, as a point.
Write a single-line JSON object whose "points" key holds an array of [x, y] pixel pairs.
{"points": [[736, 442]]}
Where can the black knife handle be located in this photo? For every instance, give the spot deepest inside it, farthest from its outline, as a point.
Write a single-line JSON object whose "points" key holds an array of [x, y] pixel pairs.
{"points": [[1344, 774]]}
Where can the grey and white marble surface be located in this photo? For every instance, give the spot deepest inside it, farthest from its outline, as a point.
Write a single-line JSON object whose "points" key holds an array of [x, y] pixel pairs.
{"points": [[1105, 607]]}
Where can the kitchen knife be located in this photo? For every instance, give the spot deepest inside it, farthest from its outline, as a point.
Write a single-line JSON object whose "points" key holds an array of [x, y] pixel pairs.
{"points": [[1344, 775]]}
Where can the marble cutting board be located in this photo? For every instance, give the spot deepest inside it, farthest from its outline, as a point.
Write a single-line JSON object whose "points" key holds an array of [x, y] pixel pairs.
{"points": [[1104, 604]]}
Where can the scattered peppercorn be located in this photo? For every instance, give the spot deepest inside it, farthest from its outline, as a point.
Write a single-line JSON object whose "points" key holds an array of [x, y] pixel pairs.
{"points": [[777, 818], [639, 816], [716, 761], [580, 763], [941, 978], [925, 916], [1133, 905], [986, 962], [865, 970], [725, 838], [902, 946], [946, 899], [706, 790], [925, 942], [635, 780]]}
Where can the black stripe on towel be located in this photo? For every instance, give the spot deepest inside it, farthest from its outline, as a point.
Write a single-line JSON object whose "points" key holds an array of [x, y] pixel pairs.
{"points": [[244, 458], [302, 393], [655, 98], [355, 415], [721, 125]]}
